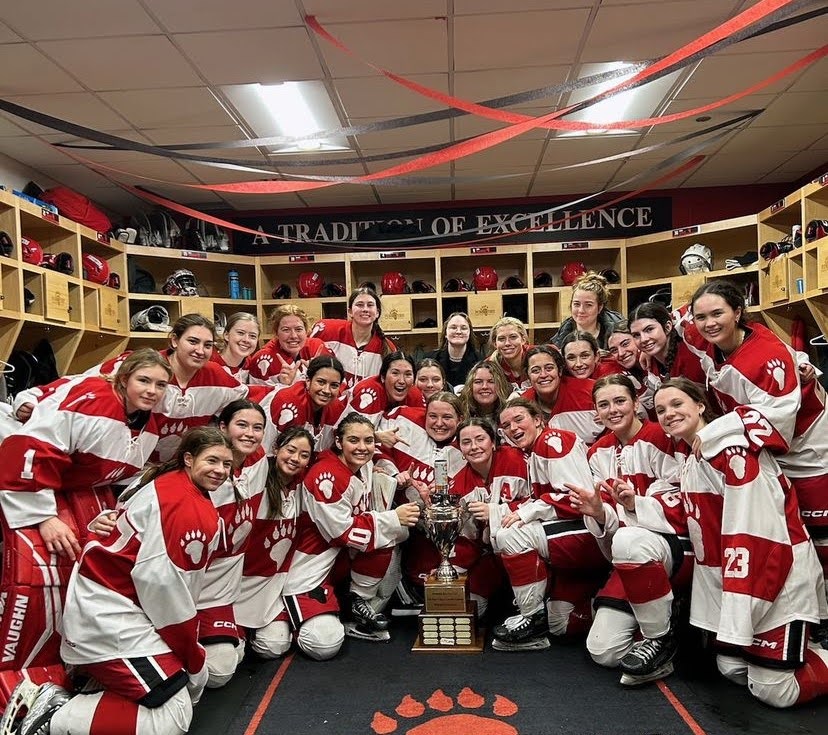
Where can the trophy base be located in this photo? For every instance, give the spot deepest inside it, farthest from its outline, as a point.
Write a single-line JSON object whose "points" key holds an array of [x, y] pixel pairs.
{"points": [[452, 632], [449, 596]]}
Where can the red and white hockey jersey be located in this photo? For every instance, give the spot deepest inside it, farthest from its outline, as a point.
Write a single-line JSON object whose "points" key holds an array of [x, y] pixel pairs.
{"points": [[519, 381], [556, 457], [359, 363], [143, 580], [759, 384], [574, 409], [370, 399], [756, 568], [241, 372], [265, 365], [293, 406], [267, 561], [649, 464]]}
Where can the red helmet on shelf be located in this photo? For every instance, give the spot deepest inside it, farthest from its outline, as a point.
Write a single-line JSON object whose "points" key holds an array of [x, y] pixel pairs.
{"points": [[394, 283], [571, 272], [31, 251], [310, 285], [95, 269], [485, 278]]}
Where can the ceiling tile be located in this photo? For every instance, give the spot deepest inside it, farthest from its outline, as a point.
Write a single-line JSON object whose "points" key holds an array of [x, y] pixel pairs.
{"points": [[60, 19], [187, 16], [33, 72], [335, 11], [566, 150], [405, 194], [7, 35], [79, 108], [379, 97], [168, 108], [243, 57], [263, 202], [479, 40], [491, 190], [473, 125], [782, 138], [402, 138], [475, 7], [477, 86], [199, 134], [31, 152], [812, 79], [110, 63], [793, 106], [507, 156]]}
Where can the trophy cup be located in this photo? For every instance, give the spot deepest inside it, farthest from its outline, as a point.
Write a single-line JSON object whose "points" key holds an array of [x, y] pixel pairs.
{"points": [[449, 619]]}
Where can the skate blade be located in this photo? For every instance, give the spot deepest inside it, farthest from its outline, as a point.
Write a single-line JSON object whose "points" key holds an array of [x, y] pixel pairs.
{"points": [[352, 630], [535, 644], [22, 697], [630, 680], [405, 612]]}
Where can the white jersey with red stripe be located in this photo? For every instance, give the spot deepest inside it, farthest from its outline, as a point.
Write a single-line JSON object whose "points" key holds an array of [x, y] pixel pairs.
{"points": [[237, 502], [267, 561], [647, 462], [340, 509], [756, 568], [556, 457], [267, 363], [370, 399], [79, 439], [359, 362], [292, 406], [240, 372], [417, 453], [143, 580], [758, 384], [574, 409]]}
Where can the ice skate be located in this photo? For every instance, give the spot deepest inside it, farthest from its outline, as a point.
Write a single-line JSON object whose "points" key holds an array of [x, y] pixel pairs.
{"points": [[367, 624], [522, 633], [650, 655], [50, 698], [630, 680]]}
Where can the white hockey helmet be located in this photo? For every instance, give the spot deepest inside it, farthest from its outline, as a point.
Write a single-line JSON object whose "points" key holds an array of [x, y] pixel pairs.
{"points": [[697, 258], [154, 319]]}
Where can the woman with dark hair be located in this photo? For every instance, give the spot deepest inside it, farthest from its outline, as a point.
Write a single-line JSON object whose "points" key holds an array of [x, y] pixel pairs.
{"points": [[236, 344], [590, 310], [647, 546], [237, 500], [348, 510], [565, 402], [458, 348], [656, 336], [284, 359], [757, 580], [623, 349], [358, 342], [314, 403], [546, 532], [56, 476], [485, 391], [142, 581], [583, 357], [260, 606], [754, 377], [375, 397], [430, 378], [510, 341]]}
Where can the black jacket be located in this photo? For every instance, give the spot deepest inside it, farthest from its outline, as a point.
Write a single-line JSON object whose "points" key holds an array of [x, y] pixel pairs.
{"points": [[607, 319], [456, 372]]}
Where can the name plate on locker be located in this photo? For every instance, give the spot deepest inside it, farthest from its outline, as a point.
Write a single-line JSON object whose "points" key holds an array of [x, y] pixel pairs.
{"points": [[446, 597]]}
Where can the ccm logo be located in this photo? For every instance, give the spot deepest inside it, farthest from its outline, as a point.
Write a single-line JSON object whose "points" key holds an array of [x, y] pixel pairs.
{"points": [[224, 624], [822, 513]]}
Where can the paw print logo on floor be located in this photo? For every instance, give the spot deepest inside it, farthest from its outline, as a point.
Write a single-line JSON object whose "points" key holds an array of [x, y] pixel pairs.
{"points": [[368, 396], [737, 461], [243, 524], [325, 485], [776, 369], [470, 714], [554, 440], [194, 544], [263, 364], [288, 413], [279, 541]]}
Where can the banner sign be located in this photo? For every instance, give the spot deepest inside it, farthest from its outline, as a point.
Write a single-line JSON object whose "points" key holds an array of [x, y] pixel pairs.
{"points": [[509, 224]]}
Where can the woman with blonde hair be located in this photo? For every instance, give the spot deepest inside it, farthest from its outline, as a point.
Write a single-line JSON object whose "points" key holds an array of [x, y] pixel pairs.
{"points": [[486, 390], [236, 344], [284, 359], [589, 310], [510, 341]]}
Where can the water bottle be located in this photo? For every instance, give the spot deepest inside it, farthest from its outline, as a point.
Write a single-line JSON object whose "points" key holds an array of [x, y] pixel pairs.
{"points": [[233, 284]]}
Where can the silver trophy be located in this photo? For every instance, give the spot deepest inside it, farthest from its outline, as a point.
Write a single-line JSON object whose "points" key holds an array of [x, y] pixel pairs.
{"points": [[443, 521]]}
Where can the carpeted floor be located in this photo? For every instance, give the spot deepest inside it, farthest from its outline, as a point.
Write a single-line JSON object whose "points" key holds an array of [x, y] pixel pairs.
{"points": [[379, 689]]}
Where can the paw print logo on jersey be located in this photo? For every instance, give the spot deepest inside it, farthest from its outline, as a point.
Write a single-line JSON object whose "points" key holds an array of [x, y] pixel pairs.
{"points": [[325, 483], [694, 530], [279, 541], [194, 544], [443, 716], [737, 461], [367, 398], [243, 524], [263, 364], [287, 415], [776, 369], [424, 474], [174, 428], [554, 440]]}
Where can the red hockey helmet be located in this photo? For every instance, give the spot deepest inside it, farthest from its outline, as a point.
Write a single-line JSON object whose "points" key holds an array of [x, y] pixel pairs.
{"points": [[31, 251], [571, 272], [394, 283], [309, 285], [485, 278], [816, 229], [95, 269]]}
